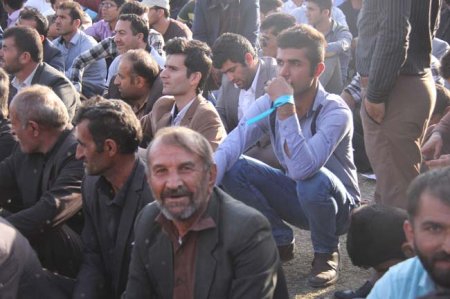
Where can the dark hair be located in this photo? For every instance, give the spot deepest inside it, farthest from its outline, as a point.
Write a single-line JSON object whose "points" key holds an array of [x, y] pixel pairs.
{"points": [[133, 7], [119, 3], [197, 57], [142, 64], [15, 4], [304, 37], [435, 183], [233, 47], [323, 4], [137, 25], [31, 13], [376, 235], [111, 119], [4, 92], [75, 10], [267, 5], [442, 99], [278, 22], [445, 66], [27, 40], [166, 12]]}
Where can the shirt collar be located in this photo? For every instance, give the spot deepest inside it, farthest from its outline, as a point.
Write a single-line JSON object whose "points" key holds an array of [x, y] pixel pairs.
{"points": [[252, 87], [27, 82], [73, 41], [177, 116]]}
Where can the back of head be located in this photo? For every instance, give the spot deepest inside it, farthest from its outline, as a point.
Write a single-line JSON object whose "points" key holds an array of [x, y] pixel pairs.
{"points": [[278, 22], [376, 235], [4, 92], [323, 4], [143, 64], [433, 182], [304, 37], [111, 119], [233, 47], [137, 25], [74, 8], [14, 4], [133, 7], [31, 13], [26, 39], [40, 104], [197, 56], [266, 6]]}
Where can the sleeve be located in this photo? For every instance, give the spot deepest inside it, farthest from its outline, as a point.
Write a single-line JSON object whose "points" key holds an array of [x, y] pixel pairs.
{"points": [[59, 203], [390, 49], [91, 281], [212, 129], [92, 31], [220, 107], [339, 16], [250, 21], [342, 43], [304, 157]]}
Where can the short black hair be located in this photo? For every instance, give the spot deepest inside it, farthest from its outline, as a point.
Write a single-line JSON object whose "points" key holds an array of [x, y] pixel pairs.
{"points": [[445, 66], [138, 25], [15, 4], [267, 5], [323, 4], [27, 40], [31, 13], [304, 37], [143, 64], [233, 47], [111, 119], [376, 235], [75, 10], [197, 57], [133, 7], [278, 22]]}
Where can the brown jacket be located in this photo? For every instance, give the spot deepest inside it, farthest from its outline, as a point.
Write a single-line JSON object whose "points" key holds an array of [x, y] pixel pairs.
{"points": [[201, 117]]}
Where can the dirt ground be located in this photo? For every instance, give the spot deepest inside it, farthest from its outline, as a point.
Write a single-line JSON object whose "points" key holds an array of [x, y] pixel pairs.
{"points": [[297, 269]]}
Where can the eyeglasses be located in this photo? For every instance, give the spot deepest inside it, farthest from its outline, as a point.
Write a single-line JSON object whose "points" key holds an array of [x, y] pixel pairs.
{"points": [[107, 5]]}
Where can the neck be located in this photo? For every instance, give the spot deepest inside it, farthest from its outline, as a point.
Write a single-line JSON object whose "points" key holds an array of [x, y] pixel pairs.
{"points": [[182, 100], [119, 173], [184, 226], [142, 45], [324, 26], [305, 100], [50, 136], [112, 24], [68, 37], [162, 25], [137, 102], [26, 71]]}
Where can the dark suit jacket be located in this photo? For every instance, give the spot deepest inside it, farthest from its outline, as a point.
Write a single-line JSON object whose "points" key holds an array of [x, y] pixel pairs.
{"points": [[7, 141], [93, 280], [57, 81], [236, 259], [201, 117], [53, 56]]}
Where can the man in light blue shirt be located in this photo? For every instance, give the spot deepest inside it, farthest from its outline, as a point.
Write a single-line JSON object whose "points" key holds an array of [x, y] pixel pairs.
{"points": [[73, 42], [311, 137], [428, 229]]}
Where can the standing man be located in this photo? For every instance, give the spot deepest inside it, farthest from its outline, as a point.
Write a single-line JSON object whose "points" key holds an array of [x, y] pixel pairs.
{"points": [[187, 68], [105, 27], [311, 137], [393, 58], [188, 243], [73, 42], [244, 82], [114, 191], [428, 230]]}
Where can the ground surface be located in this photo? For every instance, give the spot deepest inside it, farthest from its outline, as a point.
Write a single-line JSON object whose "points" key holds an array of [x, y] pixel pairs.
{"points": [[297, 269]]}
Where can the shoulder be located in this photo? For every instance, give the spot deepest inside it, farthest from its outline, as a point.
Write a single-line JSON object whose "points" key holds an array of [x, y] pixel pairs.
{"points": [[163, 104]]}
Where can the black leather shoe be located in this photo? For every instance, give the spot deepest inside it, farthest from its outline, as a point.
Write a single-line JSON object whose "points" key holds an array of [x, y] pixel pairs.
{"points": [[362, 292]]}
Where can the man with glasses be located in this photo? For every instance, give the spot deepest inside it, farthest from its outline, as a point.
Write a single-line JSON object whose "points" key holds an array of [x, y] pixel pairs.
{"points": [[105, 27]]}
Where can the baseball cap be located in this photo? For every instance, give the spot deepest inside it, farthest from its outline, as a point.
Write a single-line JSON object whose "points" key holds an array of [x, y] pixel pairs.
{"points": [[161, 3]]}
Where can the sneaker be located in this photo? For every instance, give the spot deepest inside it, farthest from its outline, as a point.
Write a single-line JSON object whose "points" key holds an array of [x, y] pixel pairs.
{"points": [[286, 252], [325, 269], [362, 292]]}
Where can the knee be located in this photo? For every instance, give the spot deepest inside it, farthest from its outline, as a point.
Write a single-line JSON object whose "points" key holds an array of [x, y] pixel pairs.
{"points": [[315, 189], [236, 174]]}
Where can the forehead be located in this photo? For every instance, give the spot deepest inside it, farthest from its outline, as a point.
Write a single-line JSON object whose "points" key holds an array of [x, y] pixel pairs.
{"points": [[163, 153], [432, 209], [123, 26], [62, 12], [312, 5], [26, 22], [228, 64], [292, 54], [82, 131], [125, 65], [9, 42], [175, 60]]}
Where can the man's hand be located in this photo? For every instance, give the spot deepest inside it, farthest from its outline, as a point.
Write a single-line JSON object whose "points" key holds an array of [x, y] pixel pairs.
{"points": [[442, 161], [432, 148], [278, 87], [375, 111]]}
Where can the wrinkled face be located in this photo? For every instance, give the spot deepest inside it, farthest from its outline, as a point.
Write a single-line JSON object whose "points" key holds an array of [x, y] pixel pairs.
{"points": [[430, 234], [269, 43], [174, 76], [314, 14], [94, 162], [26, 136], [179, 180], [294, 66], [109, 10], [124, 37], [64, 23], [125, 81], [239, 74], [11, 56]]}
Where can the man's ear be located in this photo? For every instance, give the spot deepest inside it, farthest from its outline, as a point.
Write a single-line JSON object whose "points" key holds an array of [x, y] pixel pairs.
{"points": [[25, 57], [249, 59], [320, 68], [195, 78], [212, 175], [34, 127], [111, 147], [409, 232]]}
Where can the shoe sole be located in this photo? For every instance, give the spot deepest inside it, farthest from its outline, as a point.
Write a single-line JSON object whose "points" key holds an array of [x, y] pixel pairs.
{"points": [[323, 285]]}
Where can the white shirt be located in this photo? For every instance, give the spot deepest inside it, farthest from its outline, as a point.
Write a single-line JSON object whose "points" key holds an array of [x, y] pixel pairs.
{"points": [[289, 6], [176, 119], [247, 97], [27, 82]]}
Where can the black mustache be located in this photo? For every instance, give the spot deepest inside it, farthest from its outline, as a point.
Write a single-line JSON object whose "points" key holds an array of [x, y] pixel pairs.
{"points": [[441, 256], [178, 192]]}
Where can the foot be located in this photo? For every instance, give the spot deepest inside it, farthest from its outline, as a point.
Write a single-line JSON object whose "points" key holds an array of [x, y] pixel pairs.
{"points": [[325, 269], [286, 252], [361, 292]]}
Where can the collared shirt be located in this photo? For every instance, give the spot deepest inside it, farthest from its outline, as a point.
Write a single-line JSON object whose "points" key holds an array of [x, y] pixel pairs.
{"points": [[12, 18], [331, 146], [289, 6], [339, 40], [81, 42], [27, 82], [177, 116], [107, 48], [100, 30], [184, 253], [247, 97], [394, 38], [300, 15], [406, 280]]}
